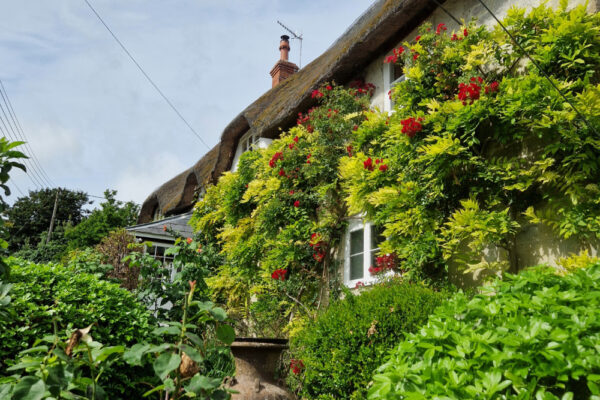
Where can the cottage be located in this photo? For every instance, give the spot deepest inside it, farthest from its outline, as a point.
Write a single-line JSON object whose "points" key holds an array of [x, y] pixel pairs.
{"points": [[358, 53]]}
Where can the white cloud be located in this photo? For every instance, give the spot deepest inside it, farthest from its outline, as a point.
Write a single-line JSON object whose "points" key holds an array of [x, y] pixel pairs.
{"points": [[92, 118]]}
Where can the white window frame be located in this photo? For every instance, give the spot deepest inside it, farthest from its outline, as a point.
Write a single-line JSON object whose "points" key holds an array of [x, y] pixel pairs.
{"points": [[249, 142], [388, 84], [356, 224]]}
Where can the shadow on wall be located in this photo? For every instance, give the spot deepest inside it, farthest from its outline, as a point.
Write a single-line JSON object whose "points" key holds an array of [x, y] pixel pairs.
{"points": [[537, 244]]}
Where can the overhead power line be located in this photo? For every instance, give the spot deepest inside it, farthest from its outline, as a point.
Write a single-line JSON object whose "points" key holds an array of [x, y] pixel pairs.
{"points": [[7, 132], [23, 136], [146, 75], [11, 119]]}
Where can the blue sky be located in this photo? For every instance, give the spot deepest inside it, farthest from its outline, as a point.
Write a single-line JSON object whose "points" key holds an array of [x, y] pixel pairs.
{"points": [[93, 120]]}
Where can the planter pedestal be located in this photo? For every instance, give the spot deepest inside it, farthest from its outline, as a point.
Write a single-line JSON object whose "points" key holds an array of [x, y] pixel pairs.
{"points": [[255, 364]]}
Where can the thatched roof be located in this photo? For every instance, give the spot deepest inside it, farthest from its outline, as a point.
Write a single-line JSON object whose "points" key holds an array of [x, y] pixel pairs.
{"points": [[379, 28], [177, 195]]}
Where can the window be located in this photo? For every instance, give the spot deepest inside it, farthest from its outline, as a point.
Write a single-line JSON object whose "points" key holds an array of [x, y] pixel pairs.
{"points": [[158, 252], [392, 75], [361, 246], [248, 142]]}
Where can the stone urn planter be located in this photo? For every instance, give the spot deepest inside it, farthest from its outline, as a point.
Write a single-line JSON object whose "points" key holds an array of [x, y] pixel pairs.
{"points": [[255, 364]]}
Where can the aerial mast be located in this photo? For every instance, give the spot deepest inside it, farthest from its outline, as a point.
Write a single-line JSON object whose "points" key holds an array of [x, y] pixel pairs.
{"points": [[294, 36]]}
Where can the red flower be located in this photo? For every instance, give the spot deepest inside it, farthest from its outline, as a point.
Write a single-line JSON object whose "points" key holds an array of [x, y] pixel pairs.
{"points": [[296, 366], [291, 192], [392, 59], [358, 284], [415, 56], [279, 274], [310, 128], [492, 87], [368, 164], [465, 33], [349, 150], [277, 156], [296, 139], [383, 167], [328, 87], [355, 128], [189, 240], [316, 93], [199, 249], [291, 146], [411, 126], [417, 38], [440, 28], [319, 256], [470, 92], [281, 172], [297, 203], [454, 37], [164, 228]]}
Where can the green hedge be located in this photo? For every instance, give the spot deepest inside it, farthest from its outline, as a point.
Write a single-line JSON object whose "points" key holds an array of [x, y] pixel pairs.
{"points": [[342, 348], [532, 336], [43, 292]]}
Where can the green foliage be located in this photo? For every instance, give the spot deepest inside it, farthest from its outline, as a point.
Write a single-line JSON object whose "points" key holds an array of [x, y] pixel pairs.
{"points": [[260, 219], [7, 162], [181, 361], [162, 292], [45, 252], [111, 215], [54, 369], [480, 144], [41, 293], [343, 347], [534, 335], [29, 217]]}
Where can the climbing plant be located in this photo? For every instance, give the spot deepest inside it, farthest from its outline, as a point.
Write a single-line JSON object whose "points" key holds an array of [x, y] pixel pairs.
{"points": [[278, 218], [481, 143]]}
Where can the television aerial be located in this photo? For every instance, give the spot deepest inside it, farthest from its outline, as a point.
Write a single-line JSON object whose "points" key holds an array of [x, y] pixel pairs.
{"points": [[294, 36]]}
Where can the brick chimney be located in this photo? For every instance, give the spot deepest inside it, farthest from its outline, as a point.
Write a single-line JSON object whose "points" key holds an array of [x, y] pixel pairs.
{"points": [[283, 68]]}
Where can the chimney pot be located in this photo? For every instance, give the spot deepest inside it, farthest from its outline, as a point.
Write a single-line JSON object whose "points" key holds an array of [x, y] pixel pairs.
{"points": [[283, 68]]}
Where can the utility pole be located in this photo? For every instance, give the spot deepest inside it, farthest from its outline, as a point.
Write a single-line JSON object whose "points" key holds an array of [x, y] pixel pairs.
{"points": [[53, 216]]}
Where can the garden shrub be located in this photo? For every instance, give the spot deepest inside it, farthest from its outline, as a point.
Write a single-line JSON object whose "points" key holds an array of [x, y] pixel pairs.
{"points": [[533, 335], [339, 352], [41, 293]]}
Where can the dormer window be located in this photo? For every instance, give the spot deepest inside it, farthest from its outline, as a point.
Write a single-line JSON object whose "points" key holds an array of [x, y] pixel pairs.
{"points": [[250, 141], [392, 75]]}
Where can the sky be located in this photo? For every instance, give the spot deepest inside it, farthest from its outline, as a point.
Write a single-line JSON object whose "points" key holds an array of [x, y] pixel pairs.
{"points": [[92, 119]]}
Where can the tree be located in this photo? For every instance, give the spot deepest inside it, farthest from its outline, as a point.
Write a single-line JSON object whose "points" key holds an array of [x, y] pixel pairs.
{"points": [[30, 216], [111, 215]]}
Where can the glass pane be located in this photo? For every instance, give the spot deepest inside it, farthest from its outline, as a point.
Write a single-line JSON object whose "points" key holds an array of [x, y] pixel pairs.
{"points": [[397, 72], [356, 267], [376, 237], [374, 258], [356, 242]]}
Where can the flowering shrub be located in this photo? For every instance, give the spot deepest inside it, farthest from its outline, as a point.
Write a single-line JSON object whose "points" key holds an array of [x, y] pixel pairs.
{"points": [[481, 145], [531, 336], [340, 350], [278, 216]]}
